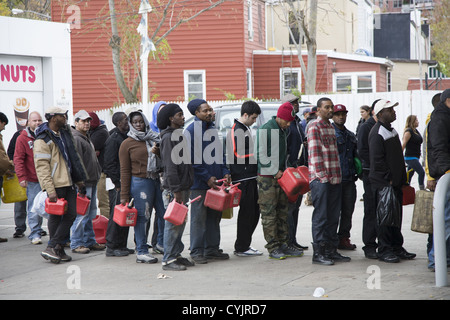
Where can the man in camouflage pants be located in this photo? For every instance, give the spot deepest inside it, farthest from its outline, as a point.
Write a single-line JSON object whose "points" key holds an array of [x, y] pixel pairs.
{"points": [[273, 202]]}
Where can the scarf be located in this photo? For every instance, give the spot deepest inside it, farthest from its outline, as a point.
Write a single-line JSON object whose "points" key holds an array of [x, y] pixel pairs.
{"points": [[150, 137]]}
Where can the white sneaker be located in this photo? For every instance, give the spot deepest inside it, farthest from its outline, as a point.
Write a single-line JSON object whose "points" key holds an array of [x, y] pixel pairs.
{"points": [[36, 241], [249, 253], [146, 258]]}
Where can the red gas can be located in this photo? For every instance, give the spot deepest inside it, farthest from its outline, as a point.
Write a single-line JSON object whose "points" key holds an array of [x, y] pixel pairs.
{"points": [[57, 208], [176, 212], [295, 181], [409, 195], [235, 195], [218, 200], [100, 224], [125, 215], [82, 204]]}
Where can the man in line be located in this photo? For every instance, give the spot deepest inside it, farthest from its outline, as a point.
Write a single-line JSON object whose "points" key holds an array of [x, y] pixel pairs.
{"points": [[271, 152], [325, 183], [369, 229], [6, 165], [244, 170], [438, 156], [387, 170], [26, 173], [208, 168], [83, 236], [116, 236], [58, 168], [346, 142]]}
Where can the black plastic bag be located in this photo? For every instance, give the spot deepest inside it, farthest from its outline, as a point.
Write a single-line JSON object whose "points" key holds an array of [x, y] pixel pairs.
{"points": [[389, 208]]}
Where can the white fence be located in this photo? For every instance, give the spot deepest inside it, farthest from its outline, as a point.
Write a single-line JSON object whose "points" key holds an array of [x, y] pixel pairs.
{"points": [[410, 102]]}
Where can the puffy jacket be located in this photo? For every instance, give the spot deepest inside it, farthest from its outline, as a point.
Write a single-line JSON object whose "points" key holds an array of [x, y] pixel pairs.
{"points": [[438, 141], [56, 166], [86, 150], [23, 156]]}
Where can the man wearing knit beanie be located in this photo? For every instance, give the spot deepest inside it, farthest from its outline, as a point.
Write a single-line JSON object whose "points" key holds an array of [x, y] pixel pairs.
{"points": [[271, 155], [194, 104], [163, 119]]}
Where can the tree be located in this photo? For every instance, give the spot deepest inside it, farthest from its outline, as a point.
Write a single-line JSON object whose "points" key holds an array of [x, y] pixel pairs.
{"points": [[440, 27], [169, 15], [303, 27]]}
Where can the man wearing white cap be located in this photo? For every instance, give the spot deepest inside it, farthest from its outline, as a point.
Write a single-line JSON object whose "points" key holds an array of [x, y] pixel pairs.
{"points": [[83, 236], [387, 175], [58, 168]]}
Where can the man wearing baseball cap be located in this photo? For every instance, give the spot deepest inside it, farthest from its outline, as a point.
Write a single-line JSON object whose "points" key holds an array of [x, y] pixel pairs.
{"points": [[271, 154], [387, 176], [346, 143]]}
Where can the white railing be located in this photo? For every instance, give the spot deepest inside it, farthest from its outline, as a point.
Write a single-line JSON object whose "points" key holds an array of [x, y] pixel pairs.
{"points": [[439, 236]]}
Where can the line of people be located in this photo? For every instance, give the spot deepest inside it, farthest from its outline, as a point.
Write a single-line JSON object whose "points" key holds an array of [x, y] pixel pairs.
{"points": [[142, 159]]}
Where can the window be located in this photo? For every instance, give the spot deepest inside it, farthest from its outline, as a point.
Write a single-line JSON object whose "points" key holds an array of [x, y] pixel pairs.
{"points": [[249, 83], [250, 20], [354, 82], [289, 79], [194, 84]]}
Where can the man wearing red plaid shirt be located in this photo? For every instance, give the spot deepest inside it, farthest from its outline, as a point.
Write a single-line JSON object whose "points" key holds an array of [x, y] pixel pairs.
{"points": [[325, 183]]}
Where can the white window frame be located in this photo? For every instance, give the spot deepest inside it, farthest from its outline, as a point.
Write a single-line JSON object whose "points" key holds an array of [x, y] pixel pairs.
{"points": [[290, 70], [354, 80], [186, 82], [249, 83]]}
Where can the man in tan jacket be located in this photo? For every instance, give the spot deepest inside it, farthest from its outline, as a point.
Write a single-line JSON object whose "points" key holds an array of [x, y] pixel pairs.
{"points": [[58, 168]]}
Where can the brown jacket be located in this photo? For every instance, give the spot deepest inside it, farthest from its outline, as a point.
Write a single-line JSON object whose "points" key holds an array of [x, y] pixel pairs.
{"points": [[5, 163]]}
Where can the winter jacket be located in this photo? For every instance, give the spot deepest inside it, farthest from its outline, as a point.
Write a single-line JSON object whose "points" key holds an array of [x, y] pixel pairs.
{"points": [[111, 165], [240, 146], [346, 143], [204, 146], [98, 137], [363, 145], [23, 156], [5, 163], [56, 159], [88, 156], [269, 164], [438, 141], [296, 137], [178, 174], [387, 165]]}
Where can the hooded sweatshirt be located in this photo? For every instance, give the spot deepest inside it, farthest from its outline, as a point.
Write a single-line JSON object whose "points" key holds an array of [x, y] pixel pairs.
{"points": [[23, 156]]}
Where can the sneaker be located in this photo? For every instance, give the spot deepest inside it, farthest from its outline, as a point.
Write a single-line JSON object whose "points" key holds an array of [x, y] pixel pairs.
{"points": [[158, 249], [59, 249], [146, 258], [217, 255], [199, 259], [18, 234], [277, 254], [97, 247], [185, 261], [291, 251], [174, 266], [116, 252], [251, 252], [36, 241], [81, 249], [50, 254]]}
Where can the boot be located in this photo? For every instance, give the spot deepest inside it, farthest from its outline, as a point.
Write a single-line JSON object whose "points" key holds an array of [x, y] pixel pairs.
{"points": [[62, 254], [51, 254], [319, 255], [331, 253]]}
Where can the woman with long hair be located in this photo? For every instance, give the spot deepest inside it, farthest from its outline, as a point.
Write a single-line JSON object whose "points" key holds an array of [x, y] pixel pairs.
{"points": [[411, 144]]}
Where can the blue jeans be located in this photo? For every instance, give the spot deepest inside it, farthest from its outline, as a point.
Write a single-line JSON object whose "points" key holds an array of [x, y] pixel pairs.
{"points": [[205, 226], [147, 195], [173, 246], [417, 167], [82, 229], [34, 220], [326, 200], [447, 234]]}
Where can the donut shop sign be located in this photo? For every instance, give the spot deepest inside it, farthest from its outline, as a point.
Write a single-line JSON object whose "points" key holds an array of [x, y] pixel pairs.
{"points": [[18, 73]]}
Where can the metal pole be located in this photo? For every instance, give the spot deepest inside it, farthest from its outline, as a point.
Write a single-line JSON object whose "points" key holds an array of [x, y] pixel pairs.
{"points": [[439, 237], [144, 69]]}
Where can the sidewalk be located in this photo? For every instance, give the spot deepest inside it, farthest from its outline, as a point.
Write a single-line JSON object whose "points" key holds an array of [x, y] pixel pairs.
{"points": [[24, 274]]}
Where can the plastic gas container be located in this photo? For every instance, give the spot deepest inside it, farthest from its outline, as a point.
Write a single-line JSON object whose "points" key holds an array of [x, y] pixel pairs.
{"points": [[176, 212], [57, 208], [295, 181], [100, 224], [218, 200], [125, 215], [82, 204], [235, 195]]}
